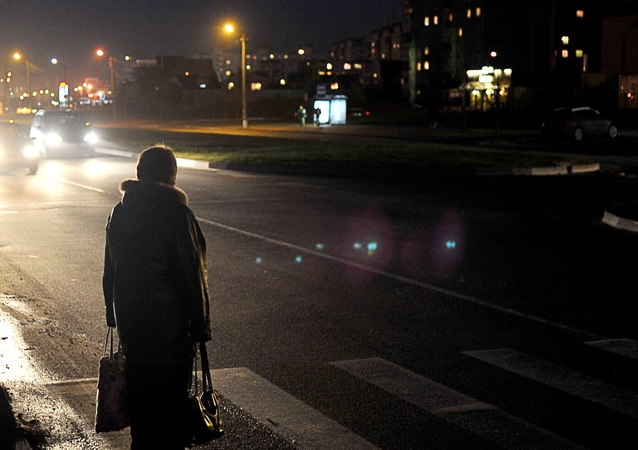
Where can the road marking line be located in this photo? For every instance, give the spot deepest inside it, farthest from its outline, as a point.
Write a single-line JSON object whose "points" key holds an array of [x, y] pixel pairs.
{"points": [[73, 183], [283, 413], [411, 387], [403, 279], [623, 347], [561, 378], [384, 273], [469, 414]]}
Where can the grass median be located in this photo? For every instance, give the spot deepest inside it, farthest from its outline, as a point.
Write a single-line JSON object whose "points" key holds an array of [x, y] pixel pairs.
{"points": [[427, 156]]}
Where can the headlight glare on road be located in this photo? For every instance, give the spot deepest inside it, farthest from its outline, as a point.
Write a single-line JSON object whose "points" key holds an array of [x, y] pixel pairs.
{"points": [[29, 152], [91, 138], [53, 139]]}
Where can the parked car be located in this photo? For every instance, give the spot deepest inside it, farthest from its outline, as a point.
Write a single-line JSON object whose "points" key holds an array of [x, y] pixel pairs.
{"points": [[578, 123], [16, 149], [63, 133]]}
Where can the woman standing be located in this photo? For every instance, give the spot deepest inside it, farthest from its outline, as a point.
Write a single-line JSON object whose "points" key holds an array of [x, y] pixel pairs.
{"points": [[155, 286]]}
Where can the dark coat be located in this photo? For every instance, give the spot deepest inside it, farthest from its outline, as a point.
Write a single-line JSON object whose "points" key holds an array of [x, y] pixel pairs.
{"points": [[155, 278]]}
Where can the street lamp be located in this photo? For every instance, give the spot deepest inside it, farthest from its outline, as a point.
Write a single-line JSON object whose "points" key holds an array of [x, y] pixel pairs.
{"points": [[17, 56], [63, 85], [244, 117], [101, 53]]}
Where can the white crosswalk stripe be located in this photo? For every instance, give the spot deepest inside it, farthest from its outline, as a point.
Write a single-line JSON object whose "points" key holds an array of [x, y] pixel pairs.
{"points": [[558, 377], [470, 414], [283, 413]]}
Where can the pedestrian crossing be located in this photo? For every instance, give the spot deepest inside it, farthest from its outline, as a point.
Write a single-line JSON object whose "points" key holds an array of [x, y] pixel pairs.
{"points": [[291, 417], [454, 406], [307, 428], [575, 383]]}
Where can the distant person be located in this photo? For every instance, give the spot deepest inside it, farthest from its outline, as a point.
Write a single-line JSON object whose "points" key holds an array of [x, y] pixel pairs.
{"points": [[302, 114], [155, 286], [317, 116]]}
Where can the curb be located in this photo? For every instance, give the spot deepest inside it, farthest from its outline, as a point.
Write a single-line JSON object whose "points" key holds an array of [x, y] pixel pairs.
{"points": [[565, 169], [619, 222]]}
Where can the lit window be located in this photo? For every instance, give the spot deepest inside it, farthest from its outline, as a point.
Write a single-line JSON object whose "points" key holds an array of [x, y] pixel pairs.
{"points": [[329, 66], [334, 86], [565, 53], [426, 22], [418, 66], [460, 32], [255, 86], [426, 51], [469, 13], [580, 13], [282, 82], [231, 85], [228, 73], [358, 66], [478, 12], [565, 40], [347, 66], [435, 20], [382, 55], [426, 65], [579, 53], [450, 17]]}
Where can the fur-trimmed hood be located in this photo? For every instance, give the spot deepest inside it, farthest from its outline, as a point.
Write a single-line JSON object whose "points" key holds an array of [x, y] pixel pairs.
{"points": [[151, 192]]}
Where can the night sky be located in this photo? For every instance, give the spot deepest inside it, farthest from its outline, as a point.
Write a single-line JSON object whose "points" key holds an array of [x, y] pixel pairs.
{"points": [[72, 30]]}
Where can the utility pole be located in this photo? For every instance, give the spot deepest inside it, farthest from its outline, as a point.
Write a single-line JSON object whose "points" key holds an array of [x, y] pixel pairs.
{"points": [[552, 24]]}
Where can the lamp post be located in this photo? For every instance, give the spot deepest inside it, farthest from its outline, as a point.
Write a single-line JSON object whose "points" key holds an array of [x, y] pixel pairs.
{"points": [[101, 53], [18, 57], [244, 116], [4, 89], [497, 77], [63, 85]]}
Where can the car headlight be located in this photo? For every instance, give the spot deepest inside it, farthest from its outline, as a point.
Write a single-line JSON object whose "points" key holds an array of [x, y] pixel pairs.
{"points": [[91, 137], [52, 139], [29, 152]]}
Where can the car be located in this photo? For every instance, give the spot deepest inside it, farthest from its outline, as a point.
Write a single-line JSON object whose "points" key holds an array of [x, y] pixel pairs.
{"points": [[16, 149], [64, 132], [579, 123]]}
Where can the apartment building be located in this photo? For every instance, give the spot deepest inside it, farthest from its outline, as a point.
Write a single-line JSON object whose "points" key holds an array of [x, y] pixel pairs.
{"points": [[448, 38]]}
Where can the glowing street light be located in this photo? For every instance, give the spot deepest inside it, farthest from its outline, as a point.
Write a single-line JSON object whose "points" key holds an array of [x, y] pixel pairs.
{"points": [[17, 56], [100, 53], [229, 28], [63, 86]]}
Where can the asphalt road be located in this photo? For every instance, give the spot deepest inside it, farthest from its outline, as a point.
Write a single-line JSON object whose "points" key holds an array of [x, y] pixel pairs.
{"points": [[482, 312]]}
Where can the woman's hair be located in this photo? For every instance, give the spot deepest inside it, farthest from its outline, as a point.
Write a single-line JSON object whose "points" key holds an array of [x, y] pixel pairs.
{"points": [[157, 164]]}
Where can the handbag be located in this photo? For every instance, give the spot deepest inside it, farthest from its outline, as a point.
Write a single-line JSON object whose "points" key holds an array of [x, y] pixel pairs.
{"points": [[204, 409], [111, 409]]}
